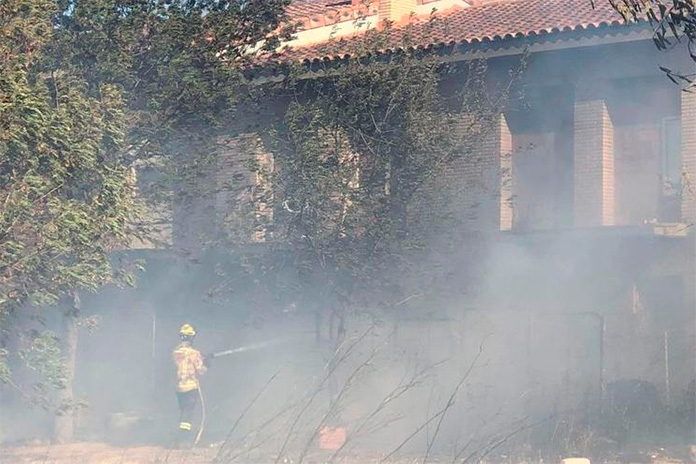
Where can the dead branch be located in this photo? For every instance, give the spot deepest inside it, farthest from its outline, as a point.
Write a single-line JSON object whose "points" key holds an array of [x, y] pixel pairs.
{"points": [[402, 388], [344, 388], [476, 436], [275, 417], [241, 416], [415, 432], [331, 367], [334, 404], [451, 399], [496, 442], [440, 414]]}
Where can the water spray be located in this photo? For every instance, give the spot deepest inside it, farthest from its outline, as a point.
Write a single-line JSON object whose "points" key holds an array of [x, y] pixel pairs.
{"points": [[220, 354], [252, 347]]}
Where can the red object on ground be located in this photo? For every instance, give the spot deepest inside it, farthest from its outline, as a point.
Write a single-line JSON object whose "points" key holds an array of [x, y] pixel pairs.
{"points": [[332, 438]]}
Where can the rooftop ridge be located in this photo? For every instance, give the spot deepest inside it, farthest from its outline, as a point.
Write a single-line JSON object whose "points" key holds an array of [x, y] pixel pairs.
{"points": [[482, 22]]}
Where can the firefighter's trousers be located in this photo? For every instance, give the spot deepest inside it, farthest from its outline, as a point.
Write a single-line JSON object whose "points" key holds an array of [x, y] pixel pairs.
{"points": [[187, 405]]}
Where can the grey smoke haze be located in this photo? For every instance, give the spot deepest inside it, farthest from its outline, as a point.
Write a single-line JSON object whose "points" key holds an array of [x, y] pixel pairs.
{"points": [[543, 323]]}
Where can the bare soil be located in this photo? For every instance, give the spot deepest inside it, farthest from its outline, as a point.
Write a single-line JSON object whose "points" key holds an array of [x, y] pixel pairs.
{"points": [[100, 453]]}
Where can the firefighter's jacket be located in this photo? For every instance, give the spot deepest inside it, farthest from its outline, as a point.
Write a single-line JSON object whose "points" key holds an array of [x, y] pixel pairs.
{"points": [[189, 366]]}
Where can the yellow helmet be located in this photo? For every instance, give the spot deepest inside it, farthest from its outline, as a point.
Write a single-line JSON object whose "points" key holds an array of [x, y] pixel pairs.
{"points": [[187, 330]]}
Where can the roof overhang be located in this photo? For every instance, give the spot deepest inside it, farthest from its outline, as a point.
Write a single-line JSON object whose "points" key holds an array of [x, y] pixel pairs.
{"points": [[276, 71]]}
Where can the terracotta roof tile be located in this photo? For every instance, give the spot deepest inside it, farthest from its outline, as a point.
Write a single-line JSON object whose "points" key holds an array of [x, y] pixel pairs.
{"points": [[488, 21], [319, 13], [302, 8]]}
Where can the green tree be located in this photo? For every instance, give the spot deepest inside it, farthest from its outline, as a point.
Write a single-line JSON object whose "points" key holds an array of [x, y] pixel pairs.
{"points": [[358, 187], [88, 88], [179, 65], [64, 183], [671, 20]]}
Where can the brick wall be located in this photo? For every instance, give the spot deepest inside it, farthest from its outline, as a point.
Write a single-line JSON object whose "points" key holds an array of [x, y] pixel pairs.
{"points": [[688, 121], [502, 149], [594, 164], [638, 157], [395, 10], [243, 198], [155, 219], [193, 204], [481, 182], [645, 115], [538, 180]]}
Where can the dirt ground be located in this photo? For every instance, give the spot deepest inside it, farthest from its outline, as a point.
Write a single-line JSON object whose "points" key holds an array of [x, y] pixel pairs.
{"points": [[99, 453]]}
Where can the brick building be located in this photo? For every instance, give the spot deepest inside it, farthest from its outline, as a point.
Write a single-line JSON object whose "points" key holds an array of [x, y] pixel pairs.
{"points": [[599, 109], [592, 181], [585, 202], [585, 197]]}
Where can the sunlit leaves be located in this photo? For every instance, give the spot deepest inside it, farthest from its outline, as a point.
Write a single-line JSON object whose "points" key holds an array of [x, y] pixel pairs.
{"points": [[41, 354], [5, 372], [65, 194], [89, 88], [358, 154], [671, 20]]}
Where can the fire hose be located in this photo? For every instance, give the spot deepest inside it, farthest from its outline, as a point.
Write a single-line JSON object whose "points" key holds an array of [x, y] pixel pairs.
{"points": [[202, 427], [220, 354]]}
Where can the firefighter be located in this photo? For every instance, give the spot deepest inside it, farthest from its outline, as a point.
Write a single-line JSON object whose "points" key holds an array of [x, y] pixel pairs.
{"points": [[190, 365]]}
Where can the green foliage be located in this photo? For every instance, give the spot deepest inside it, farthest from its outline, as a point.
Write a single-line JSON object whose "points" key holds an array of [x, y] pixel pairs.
{"points": [[42, 355], [671, 21], [177, 63], [89, 90], [64, 187], [5, 372], [361, 157]]}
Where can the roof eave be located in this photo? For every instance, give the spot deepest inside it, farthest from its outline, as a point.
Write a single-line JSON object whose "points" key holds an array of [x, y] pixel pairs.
{"points": [[274, 71]]}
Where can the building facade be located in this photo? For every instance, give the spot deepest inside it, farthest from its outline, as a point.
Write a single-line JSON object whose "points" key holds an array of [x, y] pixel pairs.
{"points": [[588, 214], [587, 278]]}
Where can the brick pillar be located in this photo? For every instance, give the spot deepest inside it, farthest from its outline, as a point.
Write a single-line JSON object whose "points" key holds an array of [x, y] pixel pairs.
{"points": [[156, 217], [194, 205], [482, 180], [395, 10], [688, 134], [593, 164], [243, 199], [503, 151]]}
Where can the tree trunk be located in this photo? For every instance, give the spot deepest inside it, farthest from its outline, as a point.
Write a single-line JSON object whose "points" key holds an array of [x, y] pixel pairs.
{"points": [[397, 203], [64, 423]]}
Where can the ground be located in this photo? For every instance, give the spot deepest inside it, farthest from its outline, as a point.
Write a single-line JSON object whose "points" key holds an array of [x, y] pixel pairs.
{"points": [[99, 453]]}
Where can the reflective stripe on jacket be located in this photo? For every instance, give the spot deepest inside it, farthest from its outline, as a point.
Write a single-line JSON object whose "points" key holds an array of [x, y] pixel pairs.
{"points": [[189, 365]]}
